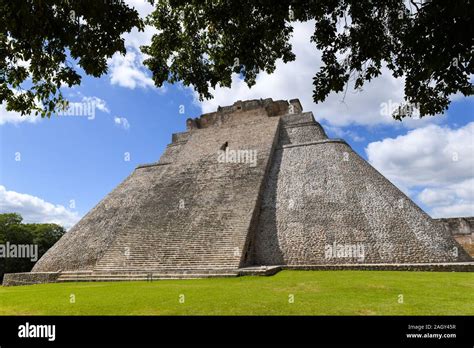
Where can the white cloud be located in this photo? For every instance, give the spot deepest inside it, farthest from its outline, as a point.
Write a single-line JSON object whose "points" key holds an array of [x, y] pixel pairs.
{"points": [[135, 38], [456, 210], [430, 155], [295, 80], [98, 103], [143, 7], [291, 80], [439, 160], [128, 71], [453, 200], [35, 209], [122, 122], [15, 117]]}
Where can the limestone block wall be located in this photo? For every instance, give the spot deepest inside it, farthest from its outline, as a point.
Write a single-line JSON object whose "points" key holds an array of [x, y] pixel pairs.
{"points": [[186, 211], [323, 204], [27, 278], [87, 241], [462, 229], [300, 200], [300, 128]]}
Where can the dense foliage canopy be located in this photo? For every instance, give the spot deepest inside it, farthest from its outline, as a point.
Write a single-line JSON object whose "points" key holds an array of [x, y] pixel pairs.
{"points": [[38, 37], [14, 232], [201, 43]]}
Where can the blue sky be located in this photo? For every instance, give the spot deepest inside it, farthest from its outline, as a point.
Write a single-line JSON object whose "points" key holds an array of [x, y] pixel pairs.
{"points": [[57, 169]]}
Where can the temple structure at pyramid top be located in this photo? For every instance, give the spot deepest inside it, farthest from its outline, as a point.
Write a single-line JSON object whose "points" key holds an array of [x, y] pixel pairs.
{"points": [[254, 184]]}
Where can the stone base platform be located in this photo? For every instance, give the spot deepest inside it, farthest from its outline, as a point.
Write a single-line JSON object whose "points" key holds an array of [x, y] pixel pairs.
{"points": [[30, 278], [422, 267]]}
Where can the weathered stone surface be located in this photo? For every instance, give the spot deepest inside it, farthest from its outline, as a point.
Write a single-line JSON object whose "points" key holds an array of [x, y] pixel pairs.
{"points": [[414, 267], [187, 211], [321, 194], [27, 278], [462, 229], [305, 195], [458, 226]]}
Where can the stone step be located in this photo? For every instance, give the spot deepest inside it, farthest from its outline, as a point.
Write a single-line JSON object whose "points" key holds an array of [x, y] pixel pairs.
{"points": [[206, 245], [144, 276], [170, 262], [173, 261], [135, 272], [137, 269]]}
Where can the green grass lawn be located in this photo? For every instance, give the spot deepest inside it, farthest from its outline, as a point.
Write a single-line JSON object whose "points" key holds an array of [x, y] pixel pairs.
{"points": [[314, 293]]}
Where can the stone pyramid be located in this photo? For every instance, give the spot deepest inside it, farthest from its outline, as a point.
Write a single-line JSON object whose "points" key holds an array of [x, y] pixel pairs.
{"points": [[257, 183]]}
